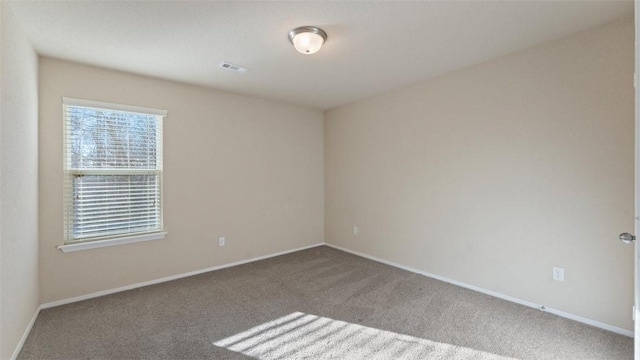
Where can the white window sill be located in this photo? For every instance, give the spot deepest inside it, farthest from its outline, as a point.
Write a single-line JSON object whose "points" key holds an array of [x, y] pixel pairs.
{"points": [[111, 242]]}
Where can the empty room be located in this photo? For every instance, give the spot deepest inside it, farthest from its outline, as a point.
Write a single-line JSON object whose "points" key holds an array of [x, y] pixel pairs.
{"points": [[318, 180]]}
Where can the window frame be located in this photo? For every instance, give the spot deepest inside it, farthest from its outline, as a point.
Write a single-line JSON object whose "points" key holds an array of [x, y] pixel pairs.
{"points": [[126, 238]]}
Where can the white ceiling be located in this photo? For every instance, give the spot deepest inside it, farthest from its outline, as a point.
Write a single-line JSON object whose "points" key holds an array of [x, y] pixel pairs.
{"points": [[373, 46]]}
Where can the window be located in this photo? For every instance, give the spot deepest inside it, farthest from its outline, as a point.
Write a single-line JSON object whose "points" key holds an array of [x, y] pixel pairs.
{"points": [[113, 173]]}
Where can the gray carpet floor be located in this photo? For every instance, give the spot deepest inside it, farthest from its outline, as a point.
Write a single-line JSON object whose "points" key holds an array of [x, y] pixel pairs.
{"points": [[319, 303]]}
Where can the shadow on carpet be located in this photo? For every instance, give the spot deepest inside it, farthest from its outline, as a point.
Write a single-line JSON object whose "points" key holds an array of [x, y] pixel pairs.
{"points": [[304, 336]]}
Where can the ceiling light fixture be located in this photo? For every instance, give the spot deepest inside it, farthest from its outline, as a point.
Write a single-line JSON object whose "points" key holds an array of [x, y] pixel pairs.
{"points": [[307, 39]]}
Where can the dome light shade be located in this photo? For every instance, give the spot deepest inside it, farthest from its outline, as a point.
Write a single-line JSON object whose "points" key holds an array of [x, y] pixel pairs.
{"points": [[307, 39]]}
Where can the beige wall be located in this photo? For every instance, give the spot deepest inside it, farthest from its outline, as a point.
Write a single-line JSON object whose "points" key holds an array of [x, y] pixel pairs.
{"points": [[493, 174], [19, 190], [234, 166]]}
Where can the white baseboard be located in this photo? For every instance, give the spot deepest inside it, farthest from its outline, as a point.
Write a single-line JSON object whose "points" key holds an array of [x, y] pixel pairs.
{"points": [[168, 278], [26, 334], [598, 324]]}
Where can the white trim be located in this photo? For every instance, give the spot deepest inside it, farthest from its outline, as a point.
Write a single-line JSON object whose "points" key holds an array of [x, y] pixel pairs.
{"points": [[16, 352], [563, 314], [111, 106], [111, 242], [636, 183], [169, 278]]}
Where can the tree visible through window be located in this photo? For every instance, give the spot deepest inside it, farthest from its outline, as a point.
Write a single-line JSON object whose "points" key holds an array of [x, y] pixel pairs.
{"points": [[113, 170]]}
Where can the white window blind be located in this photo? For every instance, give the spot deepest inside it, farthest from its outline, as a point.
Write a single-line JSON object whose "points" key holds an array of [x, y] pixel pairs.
{"points": [[113, 170]]}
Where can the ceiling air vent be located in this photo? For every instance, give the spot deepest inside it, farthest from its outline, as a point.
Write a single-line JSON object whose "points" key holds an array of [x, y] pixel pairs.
{"points": [[232, 67]]}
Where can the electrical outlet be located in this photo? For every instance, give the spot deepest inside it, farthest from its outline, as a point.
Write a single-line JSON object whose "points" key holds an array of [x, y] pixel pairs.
{"points": [[558, 273], [221, 241], [355, 230]]}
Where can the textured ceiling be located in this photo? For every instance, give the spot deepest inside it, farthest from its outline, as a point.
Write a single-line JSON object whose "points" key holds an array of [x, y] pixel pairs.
{"points": [[372, 47]]}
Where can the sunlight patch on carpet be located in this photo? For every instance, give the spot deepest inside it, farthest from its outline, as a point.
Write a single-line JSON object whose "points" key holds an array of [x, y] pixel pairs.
{"points": [[300, 336]]}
